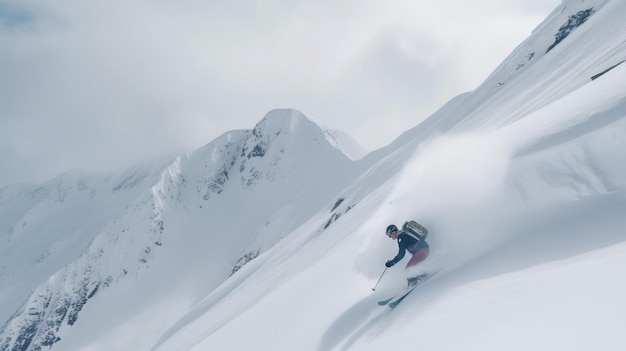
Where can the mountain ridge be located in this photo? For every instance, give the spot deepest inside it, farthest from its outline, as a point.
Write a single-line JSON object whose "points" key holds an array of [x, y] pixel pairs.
{"points": [[236, 161]]}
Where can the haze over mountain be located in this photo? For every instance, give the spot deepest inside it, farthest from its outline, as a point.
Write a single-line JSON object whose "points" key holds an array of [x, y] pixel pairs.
{"points": [[272, 237]]}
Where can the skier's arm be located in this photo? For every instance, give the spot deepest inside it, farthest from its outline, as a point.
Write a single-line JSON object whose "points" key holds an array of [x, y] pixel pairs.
{"points": [[401, 252]]}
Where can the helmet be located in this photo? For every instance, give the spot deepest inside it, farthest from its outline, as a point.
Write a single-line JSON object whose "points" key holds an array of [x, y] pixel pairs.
{"points": [[391, 228]]}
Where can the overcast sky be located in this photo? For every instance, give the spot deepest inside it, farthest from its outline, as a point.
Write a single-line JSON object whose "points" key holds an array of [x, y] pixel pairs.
{"points": [[102, 84]]}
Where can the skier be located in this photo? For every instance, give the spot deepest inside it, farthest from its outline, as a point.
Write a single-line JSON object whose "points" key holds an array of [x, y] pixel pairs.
{"points": [[412, 241]]}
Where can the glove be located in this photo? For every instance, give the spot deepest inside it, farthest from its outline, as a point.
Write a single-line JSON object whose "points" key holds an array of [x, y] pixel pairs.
{"points": [[389, 263]]}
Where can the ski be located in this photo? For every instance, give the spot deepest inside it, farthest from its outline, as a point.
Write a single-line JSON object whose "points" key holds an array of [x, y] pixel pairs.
{"points": [[384, 302], [395, 300], [406, 291]]}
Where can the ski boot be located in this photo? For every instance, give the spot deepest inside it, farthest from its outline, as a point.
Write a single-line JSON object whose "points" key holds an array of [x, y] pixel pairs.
{"points": [[413, 281]]}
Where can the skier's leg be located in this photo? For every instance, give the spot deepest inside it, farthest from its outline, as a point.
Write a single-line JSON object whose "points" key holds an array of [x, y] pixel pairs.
{"points": [[419, 256]]}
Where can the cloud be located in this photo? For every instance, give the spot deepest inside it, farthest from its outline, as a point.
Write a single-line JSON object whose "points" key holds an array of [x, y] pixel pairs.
{"points": [[101, 85]]}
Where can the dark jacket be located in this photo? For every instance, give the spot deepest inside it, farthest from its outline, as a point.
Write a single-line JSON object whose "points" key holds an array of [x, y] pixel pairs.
{"points": [[407, 243]]}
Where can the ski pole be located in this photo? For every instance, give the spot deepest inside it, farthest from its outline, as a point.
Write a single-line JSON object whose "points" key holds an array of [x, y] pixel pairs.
{"points": [[381, 277]]}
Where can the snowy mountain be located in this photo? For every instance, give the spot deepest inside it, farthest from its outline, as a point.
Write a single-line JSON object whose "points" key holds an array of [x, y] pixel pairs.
{"points": [[272, 238], [248, 181]]}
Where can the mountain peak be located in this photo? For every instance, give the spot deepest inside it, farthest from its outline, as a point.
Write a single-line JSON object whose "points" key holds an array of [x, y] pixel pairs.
{"points": [[278, 120], [293, 123], [285, 114]]}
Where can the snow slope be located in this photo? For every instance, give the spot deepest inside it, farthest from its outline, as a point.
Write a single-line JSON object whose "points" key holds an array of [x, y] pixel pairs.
{"points": [[271, 238], [522, 184]]}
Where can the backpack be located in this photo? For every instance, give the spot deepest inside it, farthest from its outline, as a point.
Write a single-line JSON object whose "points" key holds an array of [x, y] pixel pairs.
{"points": [[415, 230]]}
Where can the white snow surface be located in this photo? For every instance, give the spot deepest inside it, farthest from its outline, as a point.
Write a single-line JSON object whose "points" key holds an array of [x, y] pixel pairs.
{"points": [[272, 238]]}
